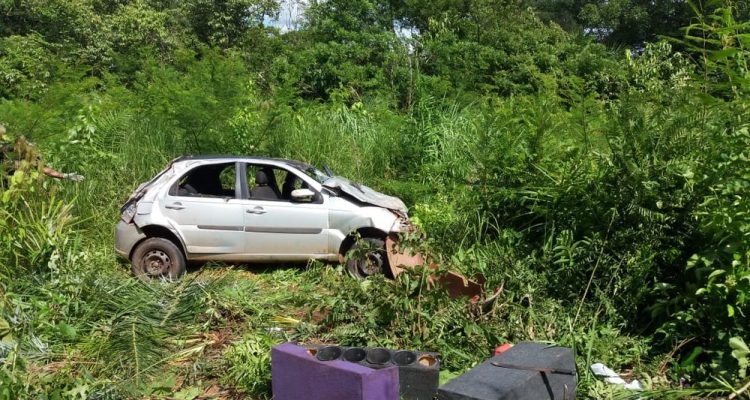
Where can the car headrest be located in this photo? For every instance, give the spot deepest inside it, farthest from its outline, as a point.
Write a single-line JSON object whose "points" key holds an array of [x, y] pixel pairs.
{"points": [[261, 178]]}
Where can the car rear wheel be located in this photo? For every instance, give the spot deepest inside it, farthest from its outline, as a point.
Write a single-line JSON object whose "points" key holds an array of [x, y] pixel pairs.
{"points": [[367, 257], [156, 258]]}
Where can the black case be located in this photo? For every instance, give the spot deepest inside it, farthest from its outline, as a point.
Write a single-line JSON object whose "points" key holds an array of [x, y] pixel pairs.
{"points": [[490, 382]]}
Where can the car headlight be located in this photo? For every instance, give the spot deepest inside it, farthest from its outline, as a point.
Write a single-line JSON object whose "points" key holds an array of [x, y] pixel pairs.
{"points": [[405, 225], [128, 212]]}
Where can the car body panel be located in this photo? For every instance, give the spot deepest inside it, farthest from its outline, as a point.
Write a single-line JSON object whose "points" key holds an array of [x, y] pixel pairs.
{"points": [[365, 194], [244, 229], [127, 235], [207, 225], [271, 226]]}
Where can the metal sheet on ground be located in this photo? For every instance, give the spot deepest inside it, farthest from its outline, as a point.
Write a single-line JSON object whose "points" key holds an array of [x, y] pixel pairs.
{"points": [[400, 259]]}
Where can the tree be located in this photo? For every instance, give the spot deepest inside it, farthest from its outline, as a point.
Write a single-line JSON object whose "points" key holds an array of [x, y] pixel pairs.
{"points": [[73, 24], [615, 22], [346, 46], [224, 22]]}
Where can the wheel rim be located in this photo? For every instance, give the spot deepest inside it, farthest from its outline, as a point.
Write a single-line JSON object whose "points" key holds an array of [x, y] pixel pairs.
{"points": [[370, 264], [156, 263]]}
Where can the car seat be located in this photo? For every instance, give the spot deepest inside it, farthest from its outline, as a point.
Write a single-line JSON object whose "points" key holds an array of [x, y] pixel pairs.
{"points": [[262, 191]]}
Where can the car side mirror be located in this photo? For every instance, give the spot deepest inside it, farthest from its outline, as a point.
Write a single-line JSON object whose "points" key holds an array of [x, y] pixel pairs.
{"points": [[303, 195]]}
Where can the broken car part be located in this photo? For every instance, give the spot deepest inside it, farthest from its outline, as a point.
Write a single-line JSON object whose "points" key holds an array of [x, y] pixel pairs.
{"points": [[526, 371], [456, 284], [418, 371], [295, 375]]}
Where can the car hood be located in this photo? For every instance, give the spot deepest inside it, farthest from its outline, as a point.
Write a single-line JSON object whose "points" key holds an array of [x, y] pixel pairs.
{"points": [[365, 194]]}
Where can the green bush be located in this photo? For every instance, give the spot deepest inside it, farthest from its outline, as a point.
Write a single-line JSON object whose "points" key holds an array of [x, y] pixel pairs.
{"points": [[248, 365]]}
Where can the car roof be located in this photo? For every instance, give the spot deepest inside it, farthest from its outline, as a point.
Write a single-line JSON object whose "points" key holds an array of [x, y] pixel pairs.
{"points": [[293, 163]]}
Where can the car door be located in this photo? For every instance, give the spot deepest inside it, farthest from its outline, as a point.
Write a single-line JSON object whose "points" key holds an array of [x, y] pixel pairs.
{"points": [[204, 207], [281, 227]]}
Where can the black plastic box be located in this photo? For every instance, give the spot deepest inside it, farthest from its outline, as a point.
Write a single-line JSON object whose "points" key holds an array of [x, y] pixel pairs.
{"points": [[518, 376]]}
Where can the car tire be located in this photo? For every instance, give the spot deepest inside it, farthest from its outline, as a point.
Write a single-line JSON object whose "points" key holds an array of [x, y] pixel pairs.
{"points": [[157, 258], [367, 257]]}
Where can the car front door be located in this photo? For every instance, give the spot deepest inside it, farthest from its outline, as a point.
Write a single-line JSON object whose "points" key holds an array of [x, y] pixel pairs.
{"points": [[276, 226], [205, 208]]}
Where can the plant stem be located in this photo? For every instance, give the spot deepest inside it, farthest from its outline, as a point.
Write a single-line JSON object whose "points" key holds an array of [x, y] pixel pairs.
{"points": [[739, 391]]}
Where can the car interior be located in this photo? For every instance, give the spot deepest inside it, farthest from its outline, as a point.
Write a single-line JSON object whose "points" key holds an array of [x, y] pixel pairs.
{"points": [[268, 180], [219, 180], [216, 180], [263, 190]]}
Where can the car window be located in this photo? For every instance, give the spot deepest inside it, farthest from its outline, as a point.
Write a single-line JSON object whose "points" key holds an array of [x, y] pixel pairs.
{"points": [[214, 180], [291, 183], [316, 174], [266, 182]]}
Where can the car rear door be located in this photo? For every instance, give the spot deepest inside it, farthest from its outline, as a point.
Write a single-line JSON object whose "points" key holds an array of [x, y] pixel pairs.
{"points": [[281, 227], [205, 209]]}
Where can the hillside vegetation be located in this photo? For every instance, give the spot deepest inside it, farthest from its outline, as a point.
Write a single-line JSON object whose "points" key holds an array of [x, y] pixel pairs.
{"points": [[604, 185]]}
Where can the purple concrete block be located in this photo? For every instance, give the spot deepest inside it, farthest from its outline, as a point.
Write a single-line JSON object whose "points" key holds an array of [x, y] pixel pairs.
{"points": [[298, 375]]}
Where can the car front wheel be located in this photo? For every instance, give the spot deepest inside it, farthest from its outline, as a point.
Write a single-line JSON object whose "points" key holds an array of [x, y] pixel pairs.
{"points": [[367, 257], [157, 258]]}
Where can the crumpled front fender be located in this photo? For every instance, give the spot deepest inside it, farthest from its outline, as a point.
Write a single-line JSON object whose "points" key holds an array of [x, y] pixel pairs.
{"points": [[374, 217]]}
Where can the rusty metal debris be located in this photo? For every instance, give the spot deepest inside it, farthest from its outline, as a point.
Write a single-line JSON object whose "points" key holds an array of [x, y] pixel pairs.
{"points": [[457, 285]]}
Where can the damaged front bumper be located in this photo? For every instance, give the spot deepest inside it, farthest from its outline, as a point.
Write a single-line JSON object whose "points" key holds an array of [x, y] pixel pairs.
{"points": [[457, 285], [127, 235]]}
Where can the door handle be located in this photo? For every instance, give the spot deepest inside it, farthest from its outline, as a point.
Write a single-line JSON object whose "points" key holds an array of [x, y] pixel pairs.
{"points": [[175, 206], [256, 210]]}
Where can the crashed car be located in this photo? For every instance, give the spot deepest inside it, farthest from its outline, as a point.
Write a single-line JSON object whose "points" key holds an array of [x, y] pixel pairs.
{"points": [[253, 209]]}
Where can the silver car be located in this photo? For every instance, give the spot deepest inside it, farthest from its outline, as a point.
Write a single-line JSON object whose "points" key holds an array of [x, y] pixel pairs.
{"points": [[253, 209]]}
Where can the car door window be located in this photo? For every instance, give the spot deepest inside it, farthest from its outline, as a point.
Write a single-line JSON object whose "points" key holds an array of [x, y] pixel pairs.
{"points": [[271, 183], [291, 183], [214, 180], [263, 182]]}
